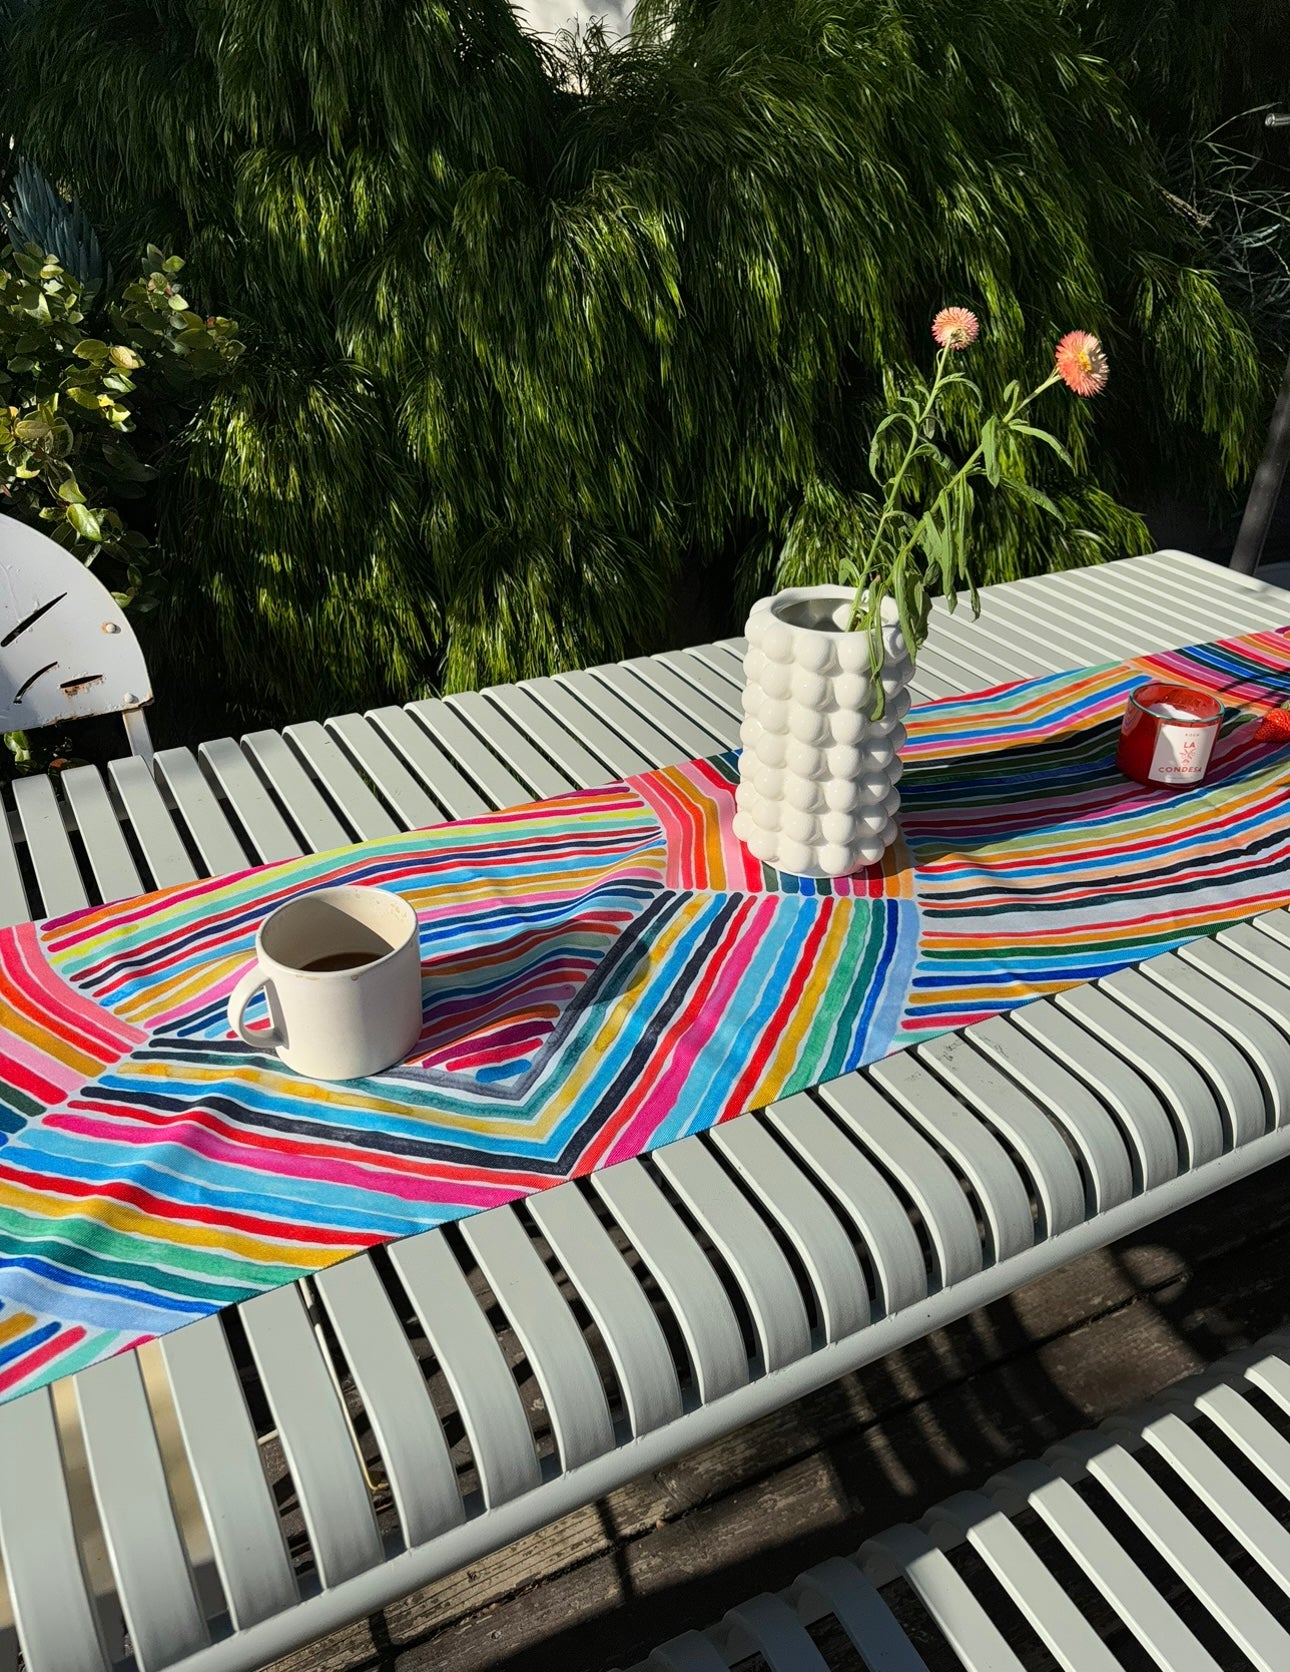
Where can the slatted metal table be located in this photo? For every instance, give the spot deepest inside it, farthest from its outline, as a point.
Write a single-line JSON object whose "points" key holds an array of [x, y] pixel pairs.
{"points": [[663, 1301]]}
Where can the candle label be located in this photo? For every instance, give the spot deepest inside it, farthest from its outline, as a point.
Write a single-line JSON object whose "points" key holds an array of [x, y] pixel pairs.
{"points": [[1181, 754]]}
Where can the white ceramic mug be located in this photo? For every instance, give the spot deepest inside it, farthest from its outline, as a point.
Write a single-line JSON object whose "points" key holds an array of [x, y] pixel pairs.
{"points": [[341, 970]]}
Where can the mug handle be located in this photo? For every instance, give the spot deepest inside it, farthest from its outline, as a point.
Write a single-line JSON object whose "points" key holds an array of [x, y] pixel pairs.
{"points": [[267, 1039]]}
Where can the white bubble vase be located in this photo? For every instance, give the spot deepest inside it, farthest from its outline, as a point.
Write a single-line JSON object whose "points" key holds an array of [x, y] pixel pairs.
{"points": [[817, 790]]}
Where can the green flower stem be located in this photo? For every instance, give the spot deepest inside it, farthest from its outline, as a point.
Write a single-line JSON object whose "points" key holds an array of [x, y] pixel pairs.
{"points": [[893, 489], [966, 469]]}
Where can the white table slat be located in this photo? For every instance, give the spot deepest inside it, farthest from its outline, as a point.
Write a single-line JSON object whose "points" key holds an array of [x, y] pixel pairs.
{"points": [[938, 672], [979, 661], [1054, 1618], [315, 1435], [213, 835], [905, 1154], [115, 871], [1224, 1494], [975, 1150], [768, 1627], [1131, 1099], [1204, 592], [1190, 1028], [1170, 620], [390, 1383], [589, 725], [974, 1636], [552, 736], [713, 1339], [628, 1326], [57, 873], [339, 777], [14, 905], [1101, 630], [691, 1652], [1265, 1009], [673, 717], [722, 659], [1182, 1088], [806, 1219], [1119, 633], [995, 1100], [150, 819], [1251, 1433], [1108, 1564], [748, 1248], [1194, 578], [483, 1388], [660, 733], [723, 688], [997, 636], [442, 773], [56, 1616], [1189, 1554], [298, 792], [378, 762], [154, 1580], [546, 1328], [538, 776], [250, 800], [1256, 1100], [237, 1505], [1224, 612], [1040, 623], [722, 719], [1272, 1376], [838, 1585], [861, 1191], [457, 742], [1089, 1129]]}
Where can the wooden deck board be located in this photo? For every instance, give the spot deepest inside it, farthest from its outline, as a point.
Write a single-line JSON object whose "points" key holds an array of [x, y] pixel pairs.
{"points": [[674, 1549]]}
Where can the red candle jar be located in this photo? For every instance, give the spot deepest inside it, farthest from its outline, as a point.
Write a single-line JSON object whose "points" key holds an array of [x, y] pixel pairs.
{"points": [[1168, 733]]}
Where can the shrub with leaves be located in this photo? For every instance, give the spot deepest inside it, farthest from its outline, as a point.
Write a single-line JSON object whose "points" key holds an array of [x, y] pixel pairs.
{"points": [[542, 347], [90, 395]]}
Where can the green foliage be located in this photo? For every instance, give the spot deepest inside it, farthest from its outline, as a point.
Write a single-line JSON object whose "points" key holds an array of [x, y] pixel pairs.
{"points": [[539, 338], [70, 401]]}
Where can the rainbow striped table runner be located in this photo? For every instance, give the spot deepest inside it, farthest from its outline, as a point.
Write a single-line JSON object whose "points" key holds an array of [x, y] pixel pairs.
{"points": [[604, 972]]}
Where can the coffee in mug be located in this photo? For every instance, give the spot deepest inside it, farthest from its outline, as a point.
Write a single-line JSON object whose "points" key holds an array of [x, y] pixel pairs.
{"points": [[341, 973]]}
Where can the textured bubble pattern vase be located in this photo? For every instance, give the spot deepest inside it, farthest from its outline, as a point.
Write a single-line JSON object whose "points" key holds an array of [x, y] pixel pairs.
{"points": [[817, 790]]}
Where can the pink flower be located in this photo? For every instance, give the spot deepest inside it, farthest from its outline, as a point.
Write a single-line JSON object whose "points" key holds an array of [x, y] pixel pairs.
{"points": [[1082, 362], [955, 327]]}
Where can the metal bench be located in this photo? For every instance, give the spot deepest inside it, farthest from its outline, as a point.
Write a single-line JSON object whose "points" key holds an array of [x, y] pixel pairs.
{"points": [[1161, 1529], [256, 1479]]}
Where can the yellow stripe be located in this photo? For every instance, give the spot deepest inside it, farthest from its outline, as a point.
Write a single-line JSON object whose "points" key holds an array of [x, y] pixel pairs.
{"points": [[11, 1328]]}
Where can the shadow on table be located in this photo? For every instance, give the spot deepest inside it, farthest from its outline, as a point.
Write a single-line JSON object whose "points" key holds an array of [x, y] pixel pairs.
{"points": [[749, 1512]]}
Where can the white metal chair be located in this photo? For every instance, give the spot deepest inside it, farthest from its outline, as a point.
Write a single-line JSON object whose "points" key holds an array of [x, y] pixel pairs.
{"points": [[1168, 1528], [67, 650]]}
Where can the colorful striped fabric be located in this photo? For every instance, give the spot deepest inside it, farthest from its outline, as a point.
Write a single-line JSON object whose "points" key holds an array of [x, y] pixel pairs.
{"points": [[603, 973]]}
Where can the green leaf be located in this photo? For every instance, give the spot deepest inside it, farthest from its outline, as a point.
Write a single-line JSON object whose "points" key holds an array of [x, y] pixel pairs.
{"points": [[84, 397], [84, 522], [125, 357], [121, 459], [989, 443], [1044, 436], [70, 493], [1035, 497], [90, 348]]}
